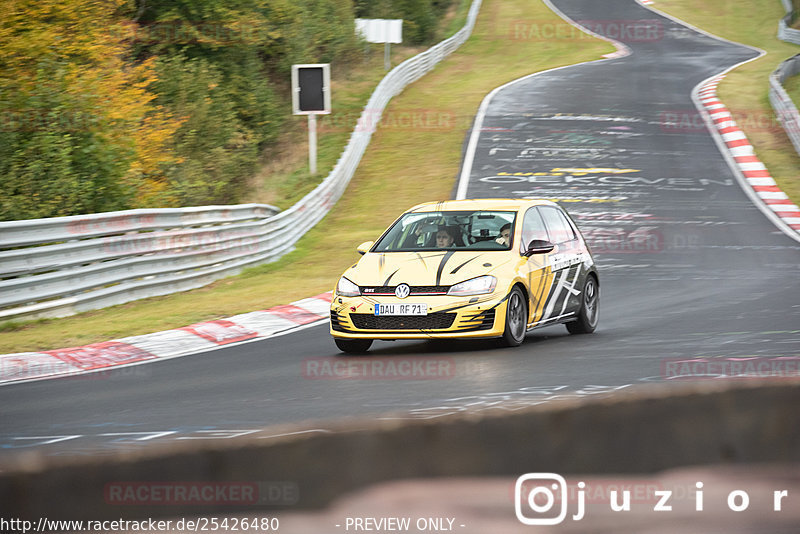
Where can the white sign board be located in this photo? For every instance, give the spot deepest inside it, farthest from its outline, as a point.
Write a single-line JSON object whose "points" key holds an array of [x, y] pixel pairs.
{"points": [[311, 94], [380, 30]]}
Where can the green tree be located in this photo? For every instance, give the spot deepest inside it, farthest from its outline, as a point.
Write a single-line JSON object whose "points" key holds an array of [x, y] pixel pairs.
{"points": [[217, 151], [79, 133], [216, 65], [116, 104]]}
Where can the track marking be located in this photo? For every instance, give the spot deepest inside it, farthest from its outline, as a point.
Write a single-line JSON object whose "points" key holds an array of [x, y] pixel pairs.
{"points": [[477, 127]]}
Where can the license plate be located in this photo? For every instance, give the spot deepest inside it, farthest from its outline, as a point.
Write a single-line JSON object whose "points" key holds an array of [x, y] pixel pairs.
{"points": [[401, 309]]}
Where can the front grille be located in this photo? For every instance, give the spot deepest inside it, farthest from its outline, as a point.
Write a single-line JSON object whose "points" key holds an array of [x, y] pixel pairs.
{"points": [[415, 290], [433, 321]]}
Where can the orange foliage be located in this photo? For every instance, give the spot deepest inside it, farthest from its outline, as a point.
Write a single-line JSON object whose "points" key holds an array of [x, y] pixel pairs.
{"points": [[86, 40]]}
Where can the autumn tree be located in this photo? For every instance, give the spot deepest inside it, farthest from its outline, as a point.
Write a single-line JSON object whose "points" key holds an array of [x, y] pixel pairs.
{"points": [[79, 130], [115, 104]]}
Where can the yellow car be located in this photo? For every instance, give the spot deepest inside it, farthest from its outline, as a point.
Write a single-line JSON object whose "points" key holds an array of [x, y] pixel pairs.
{"points": [[482, 268]]}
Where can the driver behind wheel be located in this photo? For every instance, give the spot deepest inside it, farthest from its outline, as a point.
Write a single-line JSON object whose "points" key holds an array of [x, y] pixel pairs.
{"points": [[445, 237]]}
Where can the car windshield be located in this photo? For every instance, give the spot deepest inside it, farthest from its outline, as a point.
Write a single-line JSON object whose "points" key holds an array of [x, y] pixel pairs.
{"points": [[455, 230]]}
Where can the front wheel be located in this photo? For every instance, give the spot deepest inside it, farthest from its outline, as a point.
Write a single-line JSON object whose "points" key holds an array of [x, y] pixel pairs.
{"points": [[353, 346], [516, 319], [588, 314]]}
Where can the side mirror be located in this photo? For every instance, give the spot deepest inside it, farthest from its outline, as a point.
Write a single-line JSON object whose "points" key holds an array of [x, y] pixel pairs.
{"points": [[364, 247], [539, 246]]}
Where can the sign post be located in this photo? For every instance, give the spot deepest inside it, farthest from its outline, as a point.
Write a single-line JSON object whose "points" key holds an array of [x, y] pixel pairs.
{"points": [[311, 96], [312, 144]]}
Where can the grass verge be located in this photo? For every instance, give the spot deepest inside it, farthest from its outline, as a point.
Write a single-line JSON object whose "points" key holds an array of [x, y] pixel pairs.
{"points": [[284, 176], [744, 91], [796, 20], [414, 157]]}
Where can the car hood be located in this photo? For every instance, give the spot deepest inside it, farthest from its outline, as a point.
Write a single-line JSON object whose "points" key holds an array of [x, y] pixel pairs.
{"points": [[424, 268]]}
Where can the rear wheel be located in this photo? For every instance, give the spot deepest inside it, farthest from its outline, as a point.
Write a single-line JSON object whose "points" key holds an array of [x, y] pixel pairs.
{"points": [[353, 346], [588, 314], [516, 319]]}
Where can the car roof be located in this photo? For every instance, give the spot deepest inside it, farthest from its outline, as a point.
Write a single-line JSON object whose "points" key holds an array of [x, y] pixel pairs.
{"points": [[506, 204]]}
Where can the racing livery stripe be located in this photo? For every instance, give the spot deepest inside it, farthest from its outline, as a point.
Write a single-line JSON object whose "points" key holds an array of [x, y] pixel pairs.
{"points": [[442, 263], [454, 271], [571, 289], [545, 284], [469, 304], [555, 294], [420, 258], [386, 282]]}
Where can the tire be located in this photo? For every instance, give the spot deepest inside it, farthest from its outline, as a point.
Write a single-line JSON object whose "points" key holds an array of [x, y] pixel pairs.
{"points": [[516, 319], [589, 312], [353, 346]]}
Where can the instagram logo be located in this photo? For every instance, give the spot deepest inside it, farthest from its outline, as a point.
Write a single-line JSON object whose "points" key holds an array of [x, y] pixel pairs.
{"points": [[538, 493]]}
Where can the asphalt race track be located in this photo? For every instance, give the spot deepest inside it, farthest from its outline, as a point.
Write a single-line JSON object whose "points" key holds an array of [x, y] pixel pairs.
{"points": [[689, 268]]}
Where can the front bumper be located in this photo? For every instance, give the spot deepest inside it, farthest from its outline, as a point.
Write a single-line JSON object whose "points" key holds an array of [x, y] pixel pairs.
{"points": [[481, 316]]}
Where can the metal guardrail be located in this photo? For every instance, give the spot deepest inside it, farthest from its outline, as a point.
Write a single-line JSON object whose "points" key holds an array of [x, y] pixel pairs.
{"points": [[782, 103], [785, 109], [64, 265], [785, 32]]}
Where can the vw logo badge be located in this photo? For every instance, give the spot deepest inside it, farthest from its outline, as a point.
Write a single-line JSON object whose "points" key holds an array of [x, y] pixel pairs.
{"points": [[402, 291]]}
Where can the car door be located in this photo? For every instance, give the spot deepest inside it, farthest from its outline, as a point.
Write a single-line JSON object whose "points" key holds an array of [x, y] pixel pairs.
{"points": [[535, 267], [564, 263]]}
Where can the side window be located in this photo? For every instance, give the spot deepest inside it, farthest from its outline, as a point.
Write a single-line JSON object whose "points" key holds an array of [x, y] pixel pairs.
{"points": [[532, 228], [558, 228]]}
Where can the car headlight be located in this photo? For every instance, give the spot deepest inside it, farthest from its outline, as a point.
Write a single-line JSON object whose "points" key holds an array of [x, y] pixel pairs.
{"points": [[346, 288], [476, 286]]}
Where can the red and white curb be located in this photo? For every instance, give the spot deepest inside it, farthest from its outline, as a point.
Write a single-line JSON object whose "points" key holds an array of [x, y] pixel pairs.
{"points": [[755, 173], [192, 339]]}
